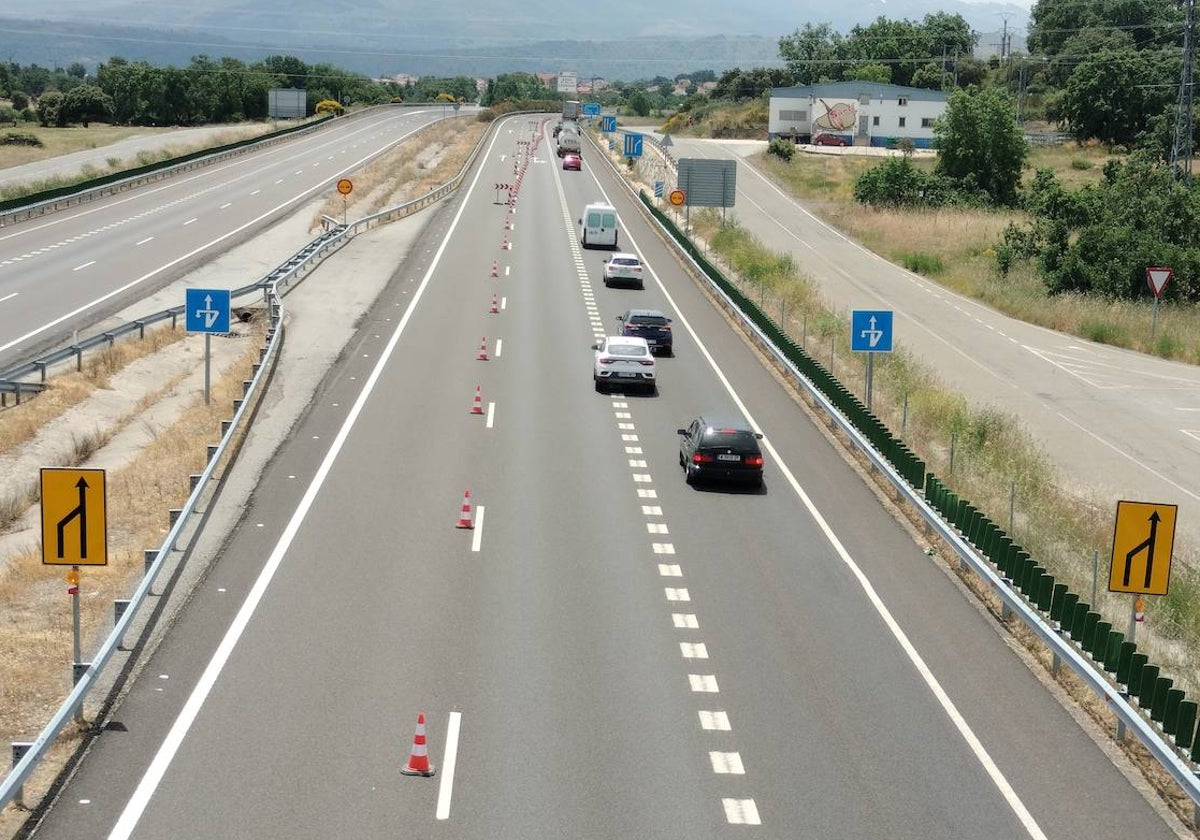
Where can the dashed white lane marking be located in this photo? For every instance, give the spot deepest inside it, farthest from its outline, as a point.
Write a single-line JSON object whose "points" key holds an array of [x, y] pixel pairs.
{"points": [[674, 595], [656, 528], [189, 221], [144, 241], [491, 414], [225, 205], [647, 494], [714, 721], [685, 621], [85, 265], [629, 438], [625, 426], [642, 478], [477, 537], [669, 570], [504, 303], [9, 296], [637, 463], [255, 192], [703, 683], [633, 450], [499, 345], [623, 415], [741, 812], [651, 510], [507, 268], [663, 548], [693, 650], [449, 759], [727, 762]]}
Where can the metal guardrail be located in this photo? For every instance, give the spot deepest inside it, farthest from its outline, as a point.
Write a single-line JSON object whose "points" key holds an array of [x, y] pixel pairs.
{"points": [[274, 284], [1013, 602]]}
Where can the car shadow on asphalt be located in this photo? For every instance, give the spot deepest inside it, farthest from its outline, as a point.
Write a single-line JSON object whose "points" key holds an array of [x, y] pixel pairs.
{"points": [[727, 489]]}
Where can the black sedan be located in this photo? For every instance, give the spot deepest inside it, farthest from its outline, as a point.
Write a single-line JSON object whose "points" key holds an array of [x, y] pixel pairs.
{"points": [[720, 448], [651, 325]]}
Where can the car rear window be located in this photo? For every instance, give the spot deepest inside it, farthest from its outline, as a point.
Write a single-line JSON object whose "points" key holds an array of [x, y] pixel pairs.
{"points": [[736, 439], [624, 261], [610, 220], [649, 320], [627, 349]]}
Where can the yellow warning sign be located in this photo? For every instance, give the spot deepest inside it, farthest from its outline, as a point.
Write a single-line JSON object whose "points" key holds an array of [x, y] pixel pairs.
{"points": [[1143, 540], [74, 523]]}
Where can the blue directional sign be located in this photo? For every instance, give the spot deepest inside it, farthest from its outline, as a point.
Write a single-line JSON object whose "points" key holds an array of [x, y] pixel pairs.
{"points": [[591, 109], [633, 145], [658, 189], [206, 310], [871, 331], [608, 124]]}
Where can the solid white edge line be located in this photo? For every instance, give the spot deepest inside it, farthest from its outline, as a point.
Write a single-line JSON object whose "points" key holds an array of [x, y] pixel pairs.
{"points": [[981, 754], [446, 786], [153, 776], [9, 296], [477, 532]]}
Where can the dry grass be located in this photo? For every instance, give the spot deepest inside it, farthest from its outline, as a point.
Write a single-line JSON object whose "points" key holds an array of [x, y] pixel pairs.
{"points": [[35, 634], [418, 165]]}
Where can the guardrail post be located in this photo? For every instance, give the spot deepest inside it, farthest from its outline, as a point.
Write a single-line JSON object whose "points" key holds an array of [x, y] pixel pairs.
{"points": [[212, 452], [174, 317], [141, 329], [225, 426], [194, 481], [120, 605], [246, 383], [42, 368], [19, 748], [237, 405], [78, 358]]}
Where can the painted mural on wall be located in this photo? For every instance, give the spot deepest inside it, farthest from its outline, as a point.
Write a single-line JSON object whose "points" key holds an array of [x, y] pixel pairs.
{"points": [[840, 115]]}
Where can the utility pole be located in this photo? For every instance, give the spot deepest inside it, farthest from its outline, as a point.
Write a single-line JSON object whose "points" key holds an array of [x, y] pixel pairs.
{"points": [[1181, 149]]}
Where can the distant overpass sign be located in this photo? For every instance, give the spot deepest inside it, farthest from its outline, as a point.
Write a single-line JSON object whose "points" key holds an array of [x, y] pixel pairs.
{"points": [[568, 81]]}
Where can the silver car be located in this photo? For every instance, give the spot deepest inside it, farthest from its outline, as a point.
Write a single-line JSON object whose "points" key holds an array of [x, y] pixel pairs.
{"points": [[623, 360]]}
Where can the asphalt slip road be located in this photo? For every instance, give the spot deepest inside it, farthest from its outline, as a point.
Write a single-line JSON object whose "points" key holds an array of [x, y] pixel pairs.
{"points": [[609, 653]]}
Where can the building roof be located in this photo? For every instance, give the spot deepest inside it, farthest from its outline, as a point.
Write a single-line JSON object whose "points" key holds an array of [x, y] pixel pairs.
{"points": [[854, 89]]}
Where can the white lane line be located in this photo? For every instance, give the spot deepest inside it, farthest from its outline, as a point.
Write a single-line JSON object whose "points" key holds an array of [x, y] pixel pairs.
{"points": [[189, 221], [693, 650], [637, 463], [629, 438], [9, 296], [491, 414], [741, 812], [669, 570], [727, 762], [647, 494], [255, 192], [675, 595], [633, 450], [446, 786], [477, 534], [506, 270], [1120, 452], [714, 721], [656, 528], [85, 265], [935, 687], [684, 621], [280, 181], [651, 510], [153, 776], [144, 241], [226, 204], [703, 683], [499, 344], [663, 548], [504, 303]]}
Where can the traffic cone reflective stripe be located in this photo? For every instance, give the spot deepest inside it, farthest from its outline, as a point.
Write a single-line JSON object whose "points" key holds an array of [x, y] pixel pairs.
{"points": [[483, 356], [495, 306], [465, 517], [477, 408], [495, 269], [418, 759]]}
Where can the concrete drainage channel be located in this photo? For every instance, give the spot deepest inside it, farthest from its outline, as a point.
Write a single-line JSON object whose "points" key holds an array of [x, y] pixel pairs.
{"points": [[187, 521]]}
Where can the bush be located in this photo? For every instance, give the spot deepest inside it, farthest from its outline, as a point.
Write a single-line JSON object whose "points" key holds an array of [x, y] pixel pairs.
{"points": [[1103, 332], [897, 183], [9, 115], [928, 264], [20, 100], [781, 148], [329, 106], [12, 138], [1081, 164]]}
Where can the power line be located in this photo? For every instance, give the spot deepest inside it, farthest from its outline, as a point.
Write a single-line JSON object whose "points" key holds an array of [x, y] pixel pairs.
{"points": [[1181, 149]]}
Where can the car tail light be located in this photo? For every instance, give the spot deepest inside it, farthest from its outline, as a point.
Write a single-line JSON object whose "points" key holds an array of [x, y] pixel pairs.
{"points": [[605, 360], [754, 461], [646, 361], [701, 458]]}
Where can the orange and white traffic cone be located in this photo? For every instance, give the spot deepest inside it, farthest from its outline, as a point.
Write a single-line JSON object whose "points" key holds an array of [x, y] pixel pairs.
{"points": [[477, 407], [465, 517], [495, 309], [483, 356], [418, 759], [505, 246], [495, 269]]}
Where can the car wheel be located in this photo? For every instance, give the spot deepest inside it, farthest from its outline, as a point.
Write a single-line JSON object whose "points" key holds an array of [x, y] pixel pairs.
{"points": [[688, 477], [584, 241], [599, 387], [642, 286]]}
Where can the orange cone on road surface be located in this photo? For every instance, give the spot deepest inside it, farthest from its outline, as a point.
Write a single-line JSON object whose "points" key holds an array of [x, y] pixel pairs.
{"points": [[495, 310], [495, 269], [483, 356], [465, 518], [505, 246], [418, 760], [477, 408]]}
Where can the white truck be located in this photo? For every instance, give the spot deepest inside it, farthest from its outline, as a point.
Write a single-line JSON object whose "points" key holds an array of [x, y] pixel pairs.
{"points": [[571, 109], [568, 142]]}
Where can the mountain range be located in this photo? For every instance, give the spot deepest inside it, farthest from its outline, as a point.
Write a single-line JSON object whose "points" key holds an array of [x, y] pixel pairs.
{"points": [[624, 39]]}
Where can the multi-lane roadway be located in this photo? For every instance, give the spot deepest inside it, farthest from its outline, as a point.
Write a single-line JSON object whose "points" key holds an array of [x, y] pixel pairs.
{"points": [[608, 652]]}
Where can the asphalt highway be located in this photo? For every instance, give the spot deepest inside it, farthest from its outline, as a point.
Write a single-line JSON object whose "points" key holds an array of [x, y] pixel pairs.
{"points": [[608, 652]]}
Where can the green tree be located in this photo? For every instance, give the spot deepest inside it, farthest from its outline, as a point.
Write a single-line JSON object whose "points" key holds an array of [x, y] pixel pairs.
{"points": [[85, 104], [980, 144], [870, 72], [49, 108], [518, 87], [639, 103], [1113, 96], [813, 53], [20, 101], [931, 76]]}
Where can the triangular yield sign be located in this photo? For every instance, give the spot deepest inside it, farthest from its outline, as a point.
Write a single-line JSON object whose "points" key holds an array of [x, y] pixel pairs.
{"points": [[1158, 278]]}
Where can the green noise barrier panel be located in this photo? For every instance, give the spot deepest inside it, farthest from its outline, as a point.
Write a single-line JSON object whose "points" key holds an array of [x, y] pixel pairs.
{"points": [[1125, 662], [1146, 685], [1170, 719], [1185, 728], [1158, 699], [1112, 657], [1099, 648], [1056, 601]]}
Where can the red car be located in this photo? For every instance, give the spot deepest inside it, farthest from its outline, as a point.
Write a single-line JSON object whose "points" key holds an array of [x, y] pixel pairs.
{"points": [[572, 161], [829, 140]]}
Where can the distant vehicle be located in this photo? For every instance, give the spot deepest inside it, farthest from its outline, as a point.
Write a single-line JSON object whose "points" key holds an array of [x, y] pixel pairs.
{"points": [[598, 226], [568, 142], [829, 140], [720, 447], [624, 268], [571, 109], [624, 360], [572, 161], [651, 325], [558, 126]]}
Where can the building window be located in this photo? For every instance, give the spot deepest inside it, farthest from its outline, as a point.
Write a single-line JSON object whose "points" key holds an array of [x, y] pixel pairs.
{"points": [[874, 120], [902, 122], [902, 101], [926, 122], [793, 116], [864, 99]]}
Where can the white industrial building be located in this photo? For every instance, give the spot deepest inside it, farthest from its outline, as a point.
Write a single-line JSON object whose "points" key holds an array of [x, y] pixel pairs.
{"points": [[856, 113]]}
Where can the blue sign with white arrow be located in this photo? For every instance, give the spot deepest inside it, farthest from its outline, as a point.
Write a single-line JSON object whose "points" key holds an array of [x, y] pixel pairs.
{"points": [[206, 310], [633, 145], [591, 109], [608, 124], [871, 331]]}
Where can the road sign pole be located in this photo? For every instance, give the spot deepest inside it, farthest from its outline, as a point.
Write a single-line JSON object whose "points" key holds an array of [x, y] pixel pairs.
{"points": [[870, 377], [207, 368], [1154, 319], [76, 645], [343, 212]]}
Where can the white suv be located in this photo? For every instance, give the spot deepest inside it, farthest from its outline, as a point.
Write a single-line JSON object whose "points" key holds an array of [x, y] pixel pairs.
{"points": [[624, 360], [623, 268]]}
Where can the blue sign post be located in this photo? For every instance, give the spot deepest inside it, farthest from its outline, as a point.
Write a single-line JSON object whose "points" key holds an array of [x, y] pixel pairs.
{"points": [[608, 124], [633, 145], [206, 311], [871, 333]]}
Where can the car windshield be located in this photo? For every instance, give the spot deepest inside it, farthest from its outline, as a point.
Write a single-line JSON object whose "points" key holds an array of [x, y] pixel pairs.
{"points": [[627, 349], [739, 440], [624, 261], [649, 320]]}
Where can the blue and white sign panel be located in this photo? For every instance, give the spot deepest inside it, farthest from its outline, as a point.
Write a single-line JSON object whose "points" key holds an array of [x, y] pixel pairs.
{"points": [[658, 189], [608, 124], [591, 109], [871, 331], [633, 145], [206, 310]]}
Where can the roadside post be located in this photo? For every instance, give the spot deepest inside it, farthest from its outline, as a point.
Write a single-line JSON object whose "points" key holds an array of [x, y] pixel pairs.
{"points": [[206, 311], [871, 333], [344, 186]]}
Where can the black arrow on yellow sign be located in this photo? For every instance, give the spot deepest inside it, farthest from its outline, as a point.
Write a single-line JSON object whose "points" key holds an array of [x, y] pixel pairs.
{"points": [[80, 513], [1146, 545]]}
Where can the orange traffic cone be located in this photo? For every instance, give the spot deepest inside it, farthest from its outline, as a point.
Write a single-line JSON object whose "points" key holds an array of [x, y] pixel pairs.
{"points": [[495, 269], [418, 760], [465, 519], [477, 407], [506, 246], [483, 356], [495, 310]]}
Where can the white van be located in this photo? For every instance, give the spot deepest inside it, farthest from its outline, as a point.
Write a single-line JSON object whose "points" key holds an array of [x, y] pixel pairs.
{"points": [[598, 226]]}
